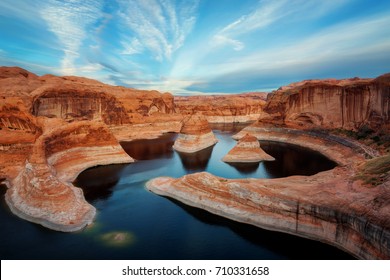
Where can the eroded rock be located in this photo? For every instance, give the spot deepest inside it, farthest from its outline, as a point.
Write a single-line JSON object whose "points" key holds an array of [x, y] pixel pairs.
{"points": [[247, 150], [195, 135]]}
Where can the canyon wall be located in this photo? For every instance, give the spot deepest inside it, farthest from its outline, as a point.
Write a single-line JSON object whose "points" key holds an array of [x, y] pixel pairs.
{"points": [[76, 98], [347, 104], [75, 104], [223, 108], [18, 132]]}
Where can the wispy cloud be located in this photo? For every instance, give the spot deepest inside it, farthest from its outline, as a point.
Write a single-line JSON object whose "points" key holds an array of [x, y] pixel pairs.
{"points": [[69, 21], [267, 13], [25, 10], [159, 26], [358, 42]]}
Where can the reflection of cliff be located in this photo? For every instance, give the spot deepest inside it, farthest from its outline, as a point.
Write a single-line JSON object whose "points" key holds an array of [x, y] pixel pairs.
{"points": [[98, 182], [246, 167], [294, 160], [150, 149], [287, 245], [197, 161]]}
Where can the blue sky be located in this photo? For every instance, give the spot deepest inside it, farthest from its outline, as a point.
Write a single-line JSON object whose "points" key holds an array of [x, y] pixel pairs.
{"points": [[197, 46]]}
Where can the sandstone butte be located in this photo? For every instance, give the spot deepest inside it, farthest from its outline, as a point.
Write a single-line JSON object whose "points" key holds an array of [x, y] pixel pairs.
{"points": [[195, 135], [52, 128], [247, 150]]}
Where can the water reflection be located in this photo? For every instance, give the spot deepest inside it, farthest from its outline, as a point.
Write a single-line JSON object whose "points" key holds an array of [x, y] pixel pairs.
{"points": [[245, 167], [148, 149], [99, 182], [286, 246], [293, 160], [196, 162]]}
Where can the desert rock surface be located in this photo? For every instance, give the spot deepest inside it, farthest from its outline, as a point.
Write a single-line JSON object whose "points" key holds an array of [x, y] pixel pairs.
{"points": [[247, 150], [195, 135]]}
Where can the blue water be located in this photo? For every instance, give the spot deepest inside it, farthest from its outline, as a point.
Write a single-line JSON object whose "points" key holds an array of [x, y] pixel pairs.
{"points": [[161, 228]]}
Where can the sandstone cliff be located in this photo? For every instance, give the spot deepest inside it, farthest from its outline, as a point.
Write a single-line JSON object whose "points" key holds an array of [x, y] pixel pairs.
{"points": [[42, 191], [195, 135], [347, 104], [75, 98], [223, 108], [18, 132]]}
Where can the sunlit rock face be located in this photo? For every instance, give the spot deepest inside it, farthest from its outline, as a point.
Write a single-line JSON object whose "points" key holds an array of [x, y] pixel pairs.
{"points": [[80, 105], [247, 150], [43, 193], [347, 104], [195, 135], [18, 132], [223, 108]]}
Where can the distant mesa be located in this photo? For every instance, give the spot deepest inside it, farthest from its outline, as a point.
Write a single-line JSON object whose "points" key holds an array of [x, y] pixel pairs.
{"points": [[195, 135], [247, 150]]}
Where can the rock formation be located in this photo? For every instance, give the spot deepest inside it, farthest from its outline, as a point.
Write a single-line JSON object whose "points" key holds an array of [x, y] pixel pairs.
{"points": [[18, 132], [42, 191], [347, 104], [330, 206], [247, 150], [75, 98], [223, 108], [195, 135]]}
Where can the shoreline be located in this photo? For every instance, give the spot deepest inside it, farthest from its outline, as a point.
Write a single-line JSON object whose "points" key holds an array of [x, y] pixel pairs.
{"points": [[329, 206]]}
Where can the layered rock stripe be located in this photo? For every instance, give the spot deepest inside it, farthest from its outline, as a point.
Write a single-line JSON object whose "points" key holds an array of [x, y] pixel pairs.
{"points": [[195, 135], [247, 150]]}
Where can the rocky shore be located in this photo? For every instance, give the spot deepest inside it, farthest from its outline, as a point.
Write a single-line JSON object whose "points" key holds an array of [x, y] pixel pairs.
{"points": [[330, 206]]}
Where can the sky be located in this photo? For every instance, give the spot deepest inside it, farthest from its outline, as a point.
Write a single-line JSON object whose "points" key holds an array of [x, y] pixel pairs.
{"points": [[189, 47]]}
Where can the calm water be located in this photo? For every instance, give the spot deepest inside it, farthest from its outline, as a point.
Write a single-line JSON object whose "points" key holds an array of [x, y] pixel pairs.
{"points": [[159, 228]]}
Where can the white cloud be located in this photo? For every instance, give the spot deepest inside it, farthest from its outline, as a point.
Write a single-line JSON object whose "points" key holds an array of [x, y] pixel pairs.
{"points": [[352, 41], [21, 9], [160, 26], [131, 46], [223, 40], [269, 12], [68, 20]]}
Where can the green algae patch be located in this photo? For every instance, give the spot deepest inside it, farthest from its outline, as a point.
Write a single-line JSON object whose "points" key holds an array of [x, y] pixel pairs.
{"points": [[118, 238]]}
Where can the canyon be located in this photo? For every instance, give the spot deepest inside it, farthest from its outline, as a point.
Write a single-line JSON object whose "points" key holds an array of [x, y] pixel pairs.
{"points": [[52, 128]]}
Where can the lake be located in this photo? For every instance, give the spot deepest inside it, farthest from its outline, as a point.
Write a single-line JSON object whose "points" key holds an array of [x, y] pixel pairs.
{"points": [[132, 223]]}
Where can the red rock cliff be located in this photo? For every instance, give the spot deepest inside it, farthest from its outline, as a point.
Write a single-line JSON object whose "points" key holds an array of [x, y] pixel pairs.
{"points": [[76, 98], [332, 103]]}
